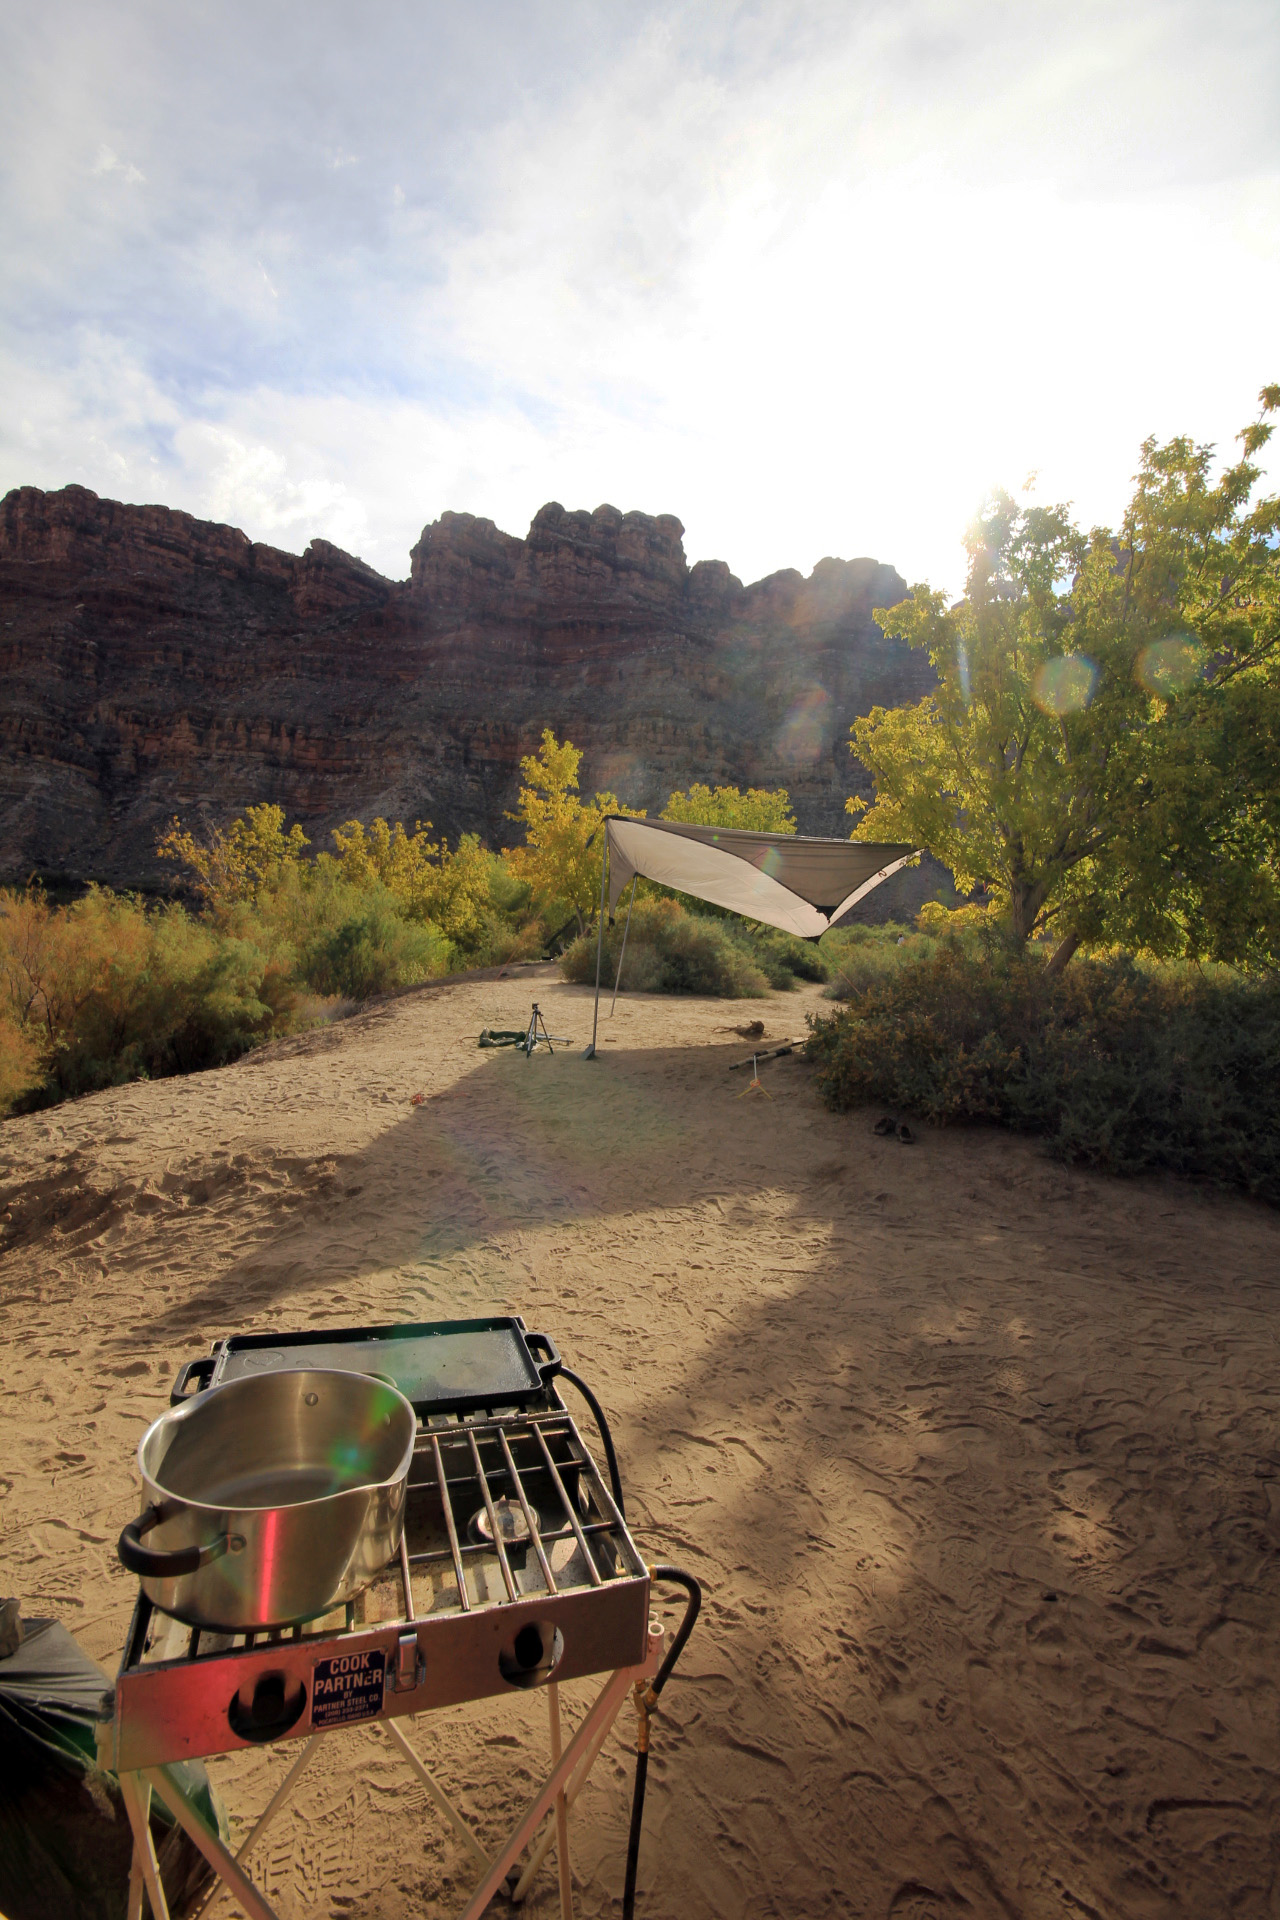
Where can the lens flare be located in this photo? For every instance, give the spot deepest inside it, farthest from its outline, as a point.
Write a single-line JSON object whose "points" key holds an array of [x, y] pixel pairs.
{"points": [[803, 734], [1168, 666], [1065, 685], [962, 664]]}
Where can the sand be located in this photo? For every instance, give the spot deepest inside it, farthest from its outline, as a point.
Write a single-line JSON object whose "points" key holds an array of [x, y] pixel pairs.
{"points": [[978, 1457]]}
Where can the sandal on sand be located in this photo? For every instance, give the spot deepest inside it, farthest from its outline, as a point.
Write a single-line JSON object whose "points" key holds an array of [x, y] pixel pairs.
{"points": [[906, 1136], [885, 1125]]}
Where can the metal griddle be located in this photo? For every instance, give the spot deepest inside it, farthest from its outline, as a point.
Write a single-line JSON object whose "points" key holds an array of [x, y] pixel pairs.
{"points": [[440, 1366]]}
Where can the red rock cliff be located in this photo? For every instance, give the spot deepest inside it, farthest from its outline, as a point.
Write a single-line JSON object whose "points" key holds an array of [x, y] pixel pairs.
{"points": [[154, 663]]}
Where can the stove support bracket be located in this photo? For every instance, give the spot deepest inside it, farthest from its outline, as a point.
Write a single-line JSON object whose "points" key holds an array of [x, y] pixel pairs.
{"points": [[570, 1768]]}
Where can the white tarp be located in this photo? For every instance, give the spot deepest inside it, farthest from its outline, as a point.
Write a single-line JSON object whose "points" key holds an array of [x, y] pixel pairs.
{"points": [[801, 885]]}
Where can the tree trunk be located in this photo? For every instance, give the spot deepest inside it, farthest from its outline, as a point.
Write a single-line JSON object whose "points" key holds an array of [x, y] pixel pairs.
{"points": [[1066, 947]]}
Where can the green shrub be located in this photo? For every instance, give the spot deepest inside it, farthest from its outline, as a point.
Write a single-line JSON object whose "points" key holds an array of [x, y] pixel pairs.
{"points": [[1125, 1068], [857, 957], [783, 959], [372, 951], [668, 951], [352, 938]]}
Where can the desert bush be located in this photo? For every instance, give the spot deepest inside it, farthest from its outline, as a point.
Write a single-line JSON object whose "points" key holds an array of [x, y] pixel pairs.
{"points": [[339, 936], [20, 1054], [783, 959], [468, 896], [371, 950], [935, 919], [456, 890], [759, 809], [1119, 1066], [107, 989], [668, 951], [859, 956]]}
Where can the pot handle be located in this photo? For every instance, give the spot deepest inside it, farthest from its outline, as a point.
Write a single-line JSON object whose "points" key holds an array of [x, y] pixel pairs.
{"points": [[148, 1564], [543, 1343]]}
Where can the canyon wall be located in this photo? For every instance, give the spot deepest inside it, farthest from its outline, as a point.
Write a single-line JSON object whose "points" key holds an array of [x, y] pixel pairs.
{"points": [[154, 664]]}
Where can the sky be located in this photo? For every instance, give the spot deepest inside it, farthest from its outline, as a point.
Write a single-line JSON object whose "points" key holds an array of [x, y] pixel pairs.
{"points": [[813, 277]]}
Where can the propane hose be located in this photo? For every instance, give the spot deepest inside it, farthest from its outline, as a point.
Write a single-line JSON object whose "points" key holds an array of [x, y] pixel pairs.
{"points": [[597, 1411], [646, 1697], [646, 1700]]}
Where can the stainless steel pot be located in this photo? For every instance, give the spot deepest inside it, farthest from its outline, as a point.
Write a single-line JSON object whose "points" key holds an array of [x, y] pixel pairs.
{"points": [[272, 1498]]}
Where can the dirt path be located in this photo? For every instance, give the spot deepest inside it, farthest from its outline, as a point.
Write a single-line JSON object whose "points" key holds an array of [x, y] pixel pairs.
{"points": [[978, 1458]]}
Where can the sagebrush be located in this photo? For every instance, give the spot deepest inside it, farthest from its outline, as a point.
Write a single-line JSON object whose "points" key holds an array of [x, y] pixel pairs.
{"points": [[1119, 1066]]}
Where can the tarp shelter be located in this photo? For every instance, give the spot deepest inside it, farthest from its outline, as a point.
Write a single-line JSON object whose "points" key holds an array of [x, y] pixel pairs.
{"points": [[783, 879]]}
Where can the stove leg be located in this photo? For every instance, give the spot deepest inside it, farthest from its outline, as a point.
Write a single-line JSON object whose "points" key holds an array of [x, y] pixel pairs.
{"points": [[133, 1911], [278, 1799], [571, 1792], [605, 1709], [220, 1858], [136, 1794], [268, 1813], [562, 1811], [437, 1793]]}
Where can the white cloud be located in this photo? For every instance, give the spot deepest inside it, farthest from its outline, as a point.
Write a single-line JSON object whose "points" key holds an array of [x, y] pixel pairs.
{"points": [[812, 277], [107, 160]]}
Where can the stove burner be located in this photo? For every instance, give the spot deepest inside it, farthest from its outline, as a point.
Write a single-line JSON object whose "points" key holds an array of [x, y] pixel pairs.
{"points": [[512, 1525]]}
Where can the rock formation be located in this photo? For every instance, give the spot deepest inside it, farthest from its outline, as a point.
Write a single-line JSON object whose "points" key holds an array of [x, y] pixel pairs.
{"points": [[156, 664]]}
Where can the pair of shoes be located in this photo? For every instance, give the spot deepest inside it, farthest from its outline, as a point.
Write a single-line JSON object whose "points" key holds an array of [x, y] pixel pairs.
{"points": [[885, 1124]]}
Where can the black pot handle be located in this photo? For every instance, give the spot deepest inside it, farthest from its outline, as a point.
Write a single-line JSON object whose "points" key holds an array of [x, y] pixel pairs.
{"points": [[542, 1342], [148, 1564], [200, 1370]]}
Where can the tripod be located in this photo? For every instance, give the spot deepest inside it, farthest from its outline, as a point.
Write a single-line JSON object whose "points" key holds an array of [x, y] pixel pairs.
{"points": [[538, 1033]]}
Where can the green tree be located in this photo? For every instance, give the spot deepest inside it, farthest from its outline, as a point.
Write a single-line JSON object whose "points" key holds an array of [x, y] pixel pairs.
{"points": [[761, 809], [1075, 755]]}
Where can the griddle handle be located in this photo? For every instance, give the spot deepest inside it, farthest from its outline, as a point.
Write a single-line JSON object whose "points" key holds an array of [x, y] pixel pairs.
{"points": [[200, 1370], [542, 1342], [150, 1565]]}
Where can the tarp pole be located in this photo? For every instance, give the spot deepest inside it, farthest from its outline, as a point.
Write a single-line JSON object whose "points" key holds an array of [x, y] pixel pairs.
{"points": [[617, 978], [590, 1053]]}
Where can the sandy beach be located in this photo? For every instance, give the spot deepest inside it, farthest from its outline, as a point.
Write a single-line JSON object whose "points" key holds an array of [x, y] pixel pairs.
{"points": [[978, 1457]]}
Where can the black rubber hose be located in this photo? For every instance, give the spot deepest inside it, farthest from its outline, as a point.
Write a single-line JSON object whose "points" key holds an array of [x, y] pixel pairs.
{"points": [[611, 1458], [633, 1838], [679, 1578]]}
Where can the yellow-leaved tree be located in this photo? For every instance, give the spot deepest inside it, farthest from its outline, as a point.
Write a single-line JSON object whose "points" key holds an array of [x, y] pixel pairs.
{"points": [[560, 859], [452, 889], [760, 809], [241, 861]]}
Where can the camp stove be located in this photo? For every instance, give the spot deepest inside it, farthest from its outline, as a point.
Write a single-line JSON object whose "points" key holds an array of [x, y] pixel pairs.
{"points": [[516, 1571], [515, 1566]]}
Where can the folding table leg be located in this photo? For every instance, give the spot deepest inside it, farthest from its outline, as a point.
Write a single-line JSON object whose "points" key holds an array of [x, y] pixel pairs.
{"points": [[136, 1794], [133, 1910], [562, 1811], [268, 1814], [220, 1858], [606, 1707], [577, 1783], [437, 1793]]}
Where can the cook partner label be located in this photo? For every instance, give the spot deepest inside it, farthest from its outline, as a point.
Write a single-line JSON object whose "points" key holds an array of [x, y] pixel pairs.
{"points": [[348, 1687]]}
